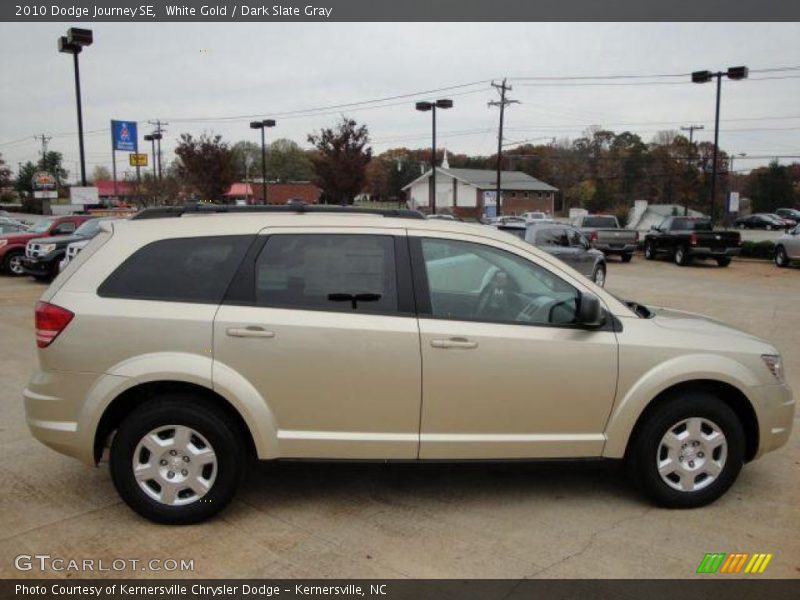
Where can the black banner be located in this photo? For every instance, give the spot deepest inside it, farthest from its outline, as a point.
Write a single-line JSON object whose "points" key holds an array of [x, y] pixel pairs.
{"points": [[399, 10], [713, 588]]}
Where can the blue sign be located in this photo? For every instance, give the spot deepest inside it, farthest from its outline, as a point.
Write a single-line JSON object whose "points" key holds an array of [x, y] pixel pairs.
{"points": [[124, 137]]}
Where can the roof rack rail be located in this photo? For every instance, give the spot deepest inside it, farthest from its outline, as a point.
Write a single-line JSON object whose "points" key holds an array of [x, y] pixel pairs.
{"points": [[162, 212]]}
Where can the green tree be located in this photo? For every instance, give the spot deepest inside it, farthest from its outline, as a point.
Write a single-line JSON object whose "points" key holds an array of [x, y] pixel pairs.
{"points": [[340, 160], [771, 187], [24, 181], [52, 162], [205, 164]]}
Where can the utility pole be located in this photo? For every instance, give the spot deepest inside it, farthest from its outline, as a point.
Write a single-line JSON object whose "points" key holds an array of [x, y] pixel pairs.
{"points": [[691, 129], [502, 103], [44, 139], [159, 130]]}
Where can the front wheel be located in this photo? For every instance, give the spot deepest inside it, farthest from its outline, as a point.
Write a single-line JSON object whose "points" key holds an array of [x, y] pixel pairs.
{"points": [[649, 251], [688, 451], [768, 228], [12, 264], [781, 258], [177, 459], [626, 258], [599, 275]]}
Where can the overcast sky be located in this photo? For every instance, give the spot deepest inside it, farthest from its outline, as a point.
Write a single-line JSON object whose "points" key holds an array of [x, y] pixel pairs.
{"points": [[211, 71]]}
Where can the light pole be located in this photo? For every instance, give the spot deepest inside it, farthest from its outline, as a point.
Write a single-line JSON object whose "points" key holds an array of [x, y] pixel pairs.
{"points": [[73, 43], [425, 107], [262, 125], [734, 73], [152, 137]]}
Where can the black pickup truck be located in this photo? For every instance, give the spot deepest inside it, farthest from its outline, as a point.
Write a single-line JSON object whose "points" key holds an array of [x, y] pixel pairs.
{"points": [[685, 238]]}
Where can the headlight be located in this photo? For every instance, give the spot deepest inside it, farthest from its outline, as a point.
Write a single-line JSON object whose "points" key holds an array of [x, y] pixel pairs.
{"points": [[47, 248], [773, 362], [3, 243]]}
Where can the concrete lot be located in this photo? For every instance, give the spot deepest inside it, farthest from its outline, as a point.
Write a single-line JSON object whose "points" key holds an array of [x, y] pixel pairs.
{"points": [[365, 520]]}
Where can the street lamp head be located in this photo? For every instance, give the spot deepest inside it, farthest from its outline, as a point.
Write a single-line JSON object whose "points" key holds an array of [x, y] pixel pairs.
{"points": [[157, 136], [738, 72], [269, 122], [444, 103], [256, 125], [424, 106], [148, 138], [66, 47], [79, 37], [702, 76]]}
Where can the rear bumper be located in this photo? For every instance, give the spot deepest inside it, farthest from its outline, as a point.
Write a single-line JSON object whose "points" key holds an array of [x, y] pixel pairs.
{"points": [[610, 248], [713, 252]]}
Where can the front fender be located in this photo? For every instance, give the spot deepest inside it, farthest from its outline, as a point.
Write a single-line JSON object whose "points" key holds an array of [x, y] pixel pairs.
{"points": [[682, 369]]}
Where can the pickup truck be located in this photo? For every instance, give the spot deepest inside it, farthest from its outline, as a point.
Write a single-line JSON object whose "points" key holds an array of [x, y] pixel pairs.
{"points": [[685, 238], [605, 234], [12, 245]]}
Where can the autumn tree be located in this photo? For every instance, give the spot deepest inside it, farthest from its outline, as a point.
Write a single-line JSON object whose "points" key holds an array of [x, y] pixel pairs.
{"points": [[205, 164], [101, 173], [340, 160]]}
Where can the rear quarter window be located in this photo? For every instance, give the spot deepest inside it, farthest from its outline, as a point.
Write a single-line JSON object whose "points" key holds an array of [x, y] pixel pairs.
{"points": [[197, 269]]}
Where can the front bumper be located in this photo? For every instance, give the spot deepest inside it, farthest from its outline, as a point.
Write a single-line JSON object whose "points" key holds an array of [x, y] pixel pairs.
{"points": [[775, 409], [39, 267]]}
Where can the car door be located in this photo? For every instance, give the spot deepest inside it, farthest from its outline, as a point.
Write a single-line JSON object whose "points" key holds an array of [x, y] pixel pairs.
{"points": [[321, 323], [502, 380], [556, 241], [792, 243], [663, 239], [584, 260]]}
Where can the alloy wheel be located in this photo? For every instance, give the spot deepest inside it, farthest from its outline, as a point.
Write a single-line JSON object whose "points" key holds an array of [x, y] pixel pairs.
{"points": [[600, 277], [692, 454], [174, 465], [15, 264]]}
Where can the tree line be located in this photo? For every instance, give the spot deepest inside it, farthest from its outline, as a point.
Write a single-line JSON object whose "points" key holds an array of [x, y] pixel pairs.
{"points": [[601, 171]]}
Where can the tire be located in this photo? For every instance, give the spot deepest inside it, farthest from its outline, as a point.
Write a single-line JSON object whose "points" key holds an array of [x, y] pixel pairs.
{"points": [[205, 427], [681, 258], [649, 251], [723, 262], [626, 258], [650, 448], [781, 258], [768, 227], [741, 226], [12, 264], [599, 275]]}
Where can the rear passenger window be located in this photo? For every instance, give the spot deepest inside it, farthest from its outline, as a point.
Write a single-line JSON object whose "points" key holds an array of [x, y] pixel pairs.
{"points": [[196, 269], [329, 272]]}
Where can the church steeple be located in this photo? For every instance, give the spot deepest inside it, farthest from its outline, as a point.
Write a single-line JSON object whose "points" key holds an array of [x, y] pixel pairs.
{"points": [[445, 163]]}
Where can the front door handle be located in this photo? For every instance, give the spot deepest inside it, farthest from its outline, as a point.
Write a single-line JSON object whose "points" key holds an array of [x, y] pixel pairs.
{"points": [[454, 342], [251, 331]]}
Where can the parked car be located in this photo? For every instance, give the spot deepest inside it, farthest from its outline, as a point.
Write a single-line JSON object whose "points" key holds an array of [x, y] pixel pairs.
{"points": [[537, 217], [789, 213], [787, 222], [12, 245], [760, 221], [43, 256], [686, 238], [565, 243], [787, 248], [185, 370], [605, 234]]}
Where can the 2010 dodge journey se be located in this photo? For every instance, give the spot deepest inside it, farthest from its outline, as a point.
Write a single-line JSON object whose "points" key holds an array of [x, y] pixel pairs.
{"points": [[187, 342]]}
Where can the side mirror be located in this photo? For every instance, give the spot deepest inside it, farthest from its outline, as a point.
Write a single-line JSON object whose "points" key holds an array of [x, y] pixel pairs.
{"points": [[654, 228], [590, 312]]}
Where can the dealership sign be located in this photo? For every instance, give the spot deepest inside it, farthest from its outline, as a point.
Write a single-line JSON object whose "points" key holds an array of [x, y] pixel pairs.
{"points": [[124, 136], [137, 160], [43, 181]]}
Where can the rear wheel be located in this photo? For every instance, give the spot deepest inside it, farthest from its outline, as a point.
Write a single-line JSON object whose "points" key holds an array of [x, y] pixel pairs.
{"points": [[681, 257], [12, 264], [626, 258], [649, 251], [723, 262], [768, 227], [688, 451], [781, 258], [177, 459]]}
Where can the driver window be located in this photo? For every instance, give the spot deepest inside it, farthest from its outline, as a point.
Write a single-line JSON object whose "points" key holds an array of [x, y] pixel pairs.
{"points": [[474, 282], [575, 238]]}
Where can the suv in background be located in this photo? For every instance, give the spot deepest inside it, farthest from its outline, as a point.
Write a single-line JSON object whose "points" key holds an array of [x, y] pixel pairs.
{"points": [[12, 245], [44, 255], [186, 345]]}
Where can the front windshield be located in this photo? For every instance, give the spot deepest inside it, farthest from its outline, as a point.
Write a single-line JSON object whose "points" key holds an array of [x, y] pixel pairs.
{"points": [[41, 226], [515, 231], [88, 229]]}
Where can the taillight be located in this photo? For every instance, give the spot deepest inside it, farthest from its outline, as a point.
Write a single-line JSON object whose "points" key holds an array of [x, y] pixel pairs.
{"points": [[693, 239], [593, 236], [636, 236], [51, 320]]}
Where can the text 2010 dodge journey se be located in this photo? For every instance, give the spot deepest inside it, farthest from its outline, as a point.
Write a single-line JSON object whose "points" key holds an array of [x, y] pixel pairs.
{"points": [[184, 345]]}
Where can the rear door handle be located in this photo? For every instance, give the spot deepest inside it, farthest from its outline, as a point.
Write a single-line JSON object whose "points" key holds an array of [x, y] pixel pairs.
{"points": [[454, 342], [251, 331]]}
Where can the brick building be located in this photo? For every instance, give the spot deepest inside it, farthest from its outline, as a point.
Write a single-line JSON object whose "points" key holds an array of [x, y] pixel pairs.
{"points": [[470, 192], [277, 193]]}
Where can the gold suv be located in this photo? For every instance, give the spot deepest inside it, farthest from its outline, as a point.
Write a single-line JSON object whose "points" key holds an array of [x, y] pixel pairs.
{"points": [[187, 342]]}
